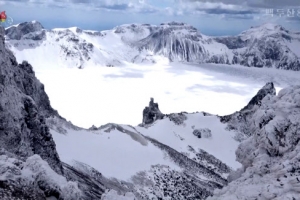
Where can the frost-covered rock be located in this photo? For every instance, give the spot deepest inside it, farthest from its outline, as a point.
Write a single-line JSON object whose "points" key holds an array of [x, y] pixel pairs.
{"points": [[151, 113], [239, 120], [24, 106], [177, 118], [202, 133], [33, 179], [271, 156]]}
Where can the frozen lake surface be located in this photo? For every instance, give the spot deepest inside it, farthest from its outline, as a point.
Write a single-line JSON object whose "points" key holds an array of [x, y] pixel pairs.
{"points": [[99, 95]]}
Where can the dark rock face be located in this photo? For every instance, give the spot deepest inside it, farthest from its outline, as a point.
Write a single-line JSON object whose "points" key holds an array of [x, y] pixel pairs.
{"points": [[152, 113], [238, 120], [177, 41], [24, 106], [232, 42], [26, 30]]}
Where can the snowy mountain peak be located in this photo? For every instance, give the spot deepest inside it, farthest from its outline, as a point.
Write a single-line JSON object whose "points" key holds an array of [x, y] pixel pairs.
{"points": [[25, 30], [75, 29], [268, 45], [267, 29], [269, 26]]}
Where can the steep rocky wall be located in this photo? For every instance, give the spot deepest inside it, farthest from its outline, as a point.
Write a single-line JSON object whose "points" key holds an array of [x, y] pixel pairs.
{"points": [[23, 108]]}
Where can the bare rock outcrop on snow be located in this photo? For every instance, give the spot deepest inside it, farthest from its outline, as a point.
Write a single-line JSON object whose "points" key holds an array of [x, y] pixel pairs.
{"points": [[151, 113]]}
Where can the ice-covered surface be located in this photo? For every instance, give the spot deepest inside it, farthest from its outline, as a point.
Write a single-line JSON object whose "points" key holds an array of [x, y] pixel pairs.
{"points": [[119, 94], [270, 157]]}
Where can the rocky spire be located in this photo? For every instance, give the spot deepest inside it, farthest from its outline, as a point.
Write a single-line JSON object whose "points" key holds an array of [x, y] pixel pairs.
{"points": [[151, 113]]}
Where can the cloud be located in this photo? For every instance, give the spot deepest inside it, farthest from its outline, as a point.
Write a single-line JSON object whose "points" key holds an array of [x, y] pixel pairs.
{"points": [[222, 9], [256, 3], [114, 5]]}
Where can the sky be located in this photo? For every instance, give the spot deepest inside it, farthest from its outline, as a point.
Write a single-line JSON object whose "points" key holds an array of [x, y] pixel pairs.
{"points": [[211, 17]]}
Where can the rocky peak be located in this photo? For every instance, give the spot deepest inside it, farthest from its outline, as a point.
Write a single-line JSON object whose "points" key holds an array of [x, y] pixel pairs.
{"points": [[264, 91], [26, 30], [151, 113], [240, 119]]}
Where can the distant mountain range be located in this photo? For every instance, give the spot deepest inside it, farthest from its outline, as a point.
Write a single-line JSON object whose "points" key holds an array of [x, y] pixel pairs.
{"points": [[268, 45]]}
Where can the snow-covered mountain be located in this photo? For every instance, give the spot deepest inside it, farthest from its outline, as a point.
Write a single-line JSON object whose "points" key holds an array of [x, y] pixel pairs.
{"points": [[168, 156], [270, 157], [32, 132], [268, 45]]}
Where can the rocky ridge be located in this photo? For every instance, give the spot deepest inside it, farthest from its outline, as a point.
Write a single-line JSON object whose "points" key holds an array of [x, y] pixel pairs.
{"points": [[268, 45]]}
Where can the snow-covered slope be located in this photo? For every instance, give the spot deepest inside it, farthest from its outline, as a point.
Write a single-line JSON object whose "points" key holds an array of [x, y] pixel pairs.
{"points": [[174, 156], [158, 159], [188, 135], [268, 45]]}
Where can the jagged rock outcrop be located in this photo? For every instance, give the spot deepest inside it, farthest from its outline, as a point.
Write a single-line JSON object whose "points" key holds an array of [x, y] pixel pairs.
{"points": [[256, 100], [151, 113], [271, 156], [24, 106], [239, 120]]}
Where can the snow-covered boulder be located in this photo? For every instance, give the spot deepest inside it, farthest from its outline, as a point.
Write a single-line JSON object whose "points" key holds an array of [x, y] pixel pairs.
{"points": [[202, 133]]}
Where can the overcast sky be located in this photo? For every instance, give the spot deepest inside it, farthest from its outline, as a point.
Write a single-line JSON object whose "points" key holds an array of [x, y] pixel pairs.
{"points": [[211, 17]]}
